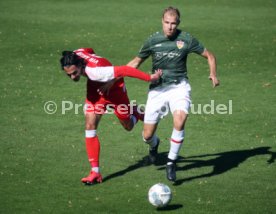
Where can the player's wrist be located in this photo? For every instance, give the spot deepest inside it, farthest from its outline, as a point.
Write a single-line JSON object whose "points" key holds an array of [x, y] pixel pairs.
{"points": [[212, 76]]}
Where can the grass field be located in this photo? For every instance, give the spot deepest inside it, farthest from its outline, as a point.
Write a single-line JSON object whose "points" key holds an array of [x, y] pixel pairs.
{"points": [[227, 163]]}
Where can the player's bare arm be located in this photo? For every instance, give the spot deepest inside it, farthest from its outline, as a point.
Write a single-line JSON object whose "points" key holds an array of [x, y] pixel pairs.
{"points": [[212, 66], [106, 87], [136, 62]]}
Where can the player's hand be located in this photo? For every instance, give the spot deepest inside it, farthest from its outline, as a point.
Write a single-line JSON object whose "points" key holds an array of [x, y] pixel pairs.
{"points": [[154, 77], [214, 80]]}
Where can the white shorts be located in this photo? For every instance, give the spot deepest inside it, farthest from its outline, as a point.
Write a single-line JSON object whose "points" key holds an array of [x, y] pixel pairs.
{"points": [[170, 98]]}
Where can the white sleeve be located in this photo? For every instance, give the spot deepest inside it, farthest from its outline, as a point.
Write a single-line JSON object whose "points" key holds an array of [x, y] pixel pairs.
{"points": [[100, 74]]}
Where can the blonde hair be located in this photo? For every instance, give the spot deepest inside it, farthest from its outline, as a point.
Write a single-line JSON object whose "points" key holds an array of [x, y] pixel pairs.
{"points": [[172, 11]]}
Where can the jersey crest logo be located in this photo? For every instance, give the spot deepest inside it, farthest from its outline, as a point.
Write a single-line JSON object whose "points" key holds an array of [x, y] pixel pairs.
{"points": [[180, 44]]}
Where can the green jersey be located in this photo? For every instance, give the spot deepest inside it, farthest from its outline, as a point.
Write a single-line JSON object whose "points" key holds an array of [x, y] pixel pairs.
{"points": [[170, 55]]}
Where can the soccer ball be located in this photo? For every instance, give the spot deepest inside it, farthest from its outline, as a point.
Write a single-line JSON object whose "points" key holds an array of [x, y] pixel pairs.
{"points": [[160, 195]]}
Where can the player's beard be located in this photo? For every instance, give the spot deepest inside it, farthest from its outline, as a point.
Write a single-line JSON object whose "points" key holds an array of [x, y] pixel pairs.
{"points": [[76, 79]]}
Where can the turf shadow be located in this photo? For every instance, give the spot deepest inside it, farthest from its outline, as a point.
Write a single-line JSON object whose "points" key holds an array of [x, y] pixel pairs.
{"points": [[161, 160], [221, 162]]}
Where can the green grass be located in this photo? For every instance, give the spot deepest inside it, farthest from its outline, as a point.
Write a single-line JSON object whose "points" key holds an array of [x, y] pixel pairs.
{"points": [[223, 166]]}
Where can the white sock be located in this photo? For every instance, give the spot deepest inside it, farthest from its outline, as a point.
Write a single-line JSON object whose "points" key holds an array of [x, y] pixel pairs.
{"points": [[95, 169], [176, 143], [90, 133]]}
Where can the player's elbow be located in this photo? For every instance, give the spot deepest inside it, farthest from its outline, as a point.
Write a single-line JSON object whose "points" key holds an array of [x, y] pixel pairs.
{"points": [[135, 63], [210, 57]]}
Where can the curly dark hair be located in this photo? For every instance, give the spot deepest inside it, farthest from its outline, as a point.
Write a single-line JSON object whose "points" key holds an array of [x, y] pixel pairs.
{"points": [[70, 58]]}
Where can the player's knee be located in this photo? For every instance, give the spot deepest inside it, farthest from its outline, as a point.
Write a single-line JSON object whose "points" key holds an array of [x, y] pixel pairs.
{"points": [[179, 119]]}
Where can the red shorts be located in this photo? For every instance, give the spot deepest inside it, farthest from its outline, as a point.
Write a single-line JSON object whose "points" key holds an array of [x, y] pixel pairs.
{"points": [[116, 102]]}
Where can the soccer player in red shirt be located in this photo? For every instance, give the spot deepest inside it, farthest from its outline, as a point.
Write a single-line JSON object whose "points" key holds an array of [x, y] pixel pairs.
{"points": [[101, 73]]}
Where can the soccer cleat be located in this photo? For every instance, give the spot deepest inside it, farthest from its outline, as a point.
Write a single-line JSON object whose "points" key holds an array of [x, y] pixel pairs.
{"points": [[170, 169], [153, 151], [92, 178]]}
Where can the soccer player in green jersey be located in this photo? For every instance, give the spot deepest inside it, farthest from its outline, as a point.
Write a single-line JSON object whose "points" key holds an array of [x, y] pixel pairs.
{"points": [[169, 50]]}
